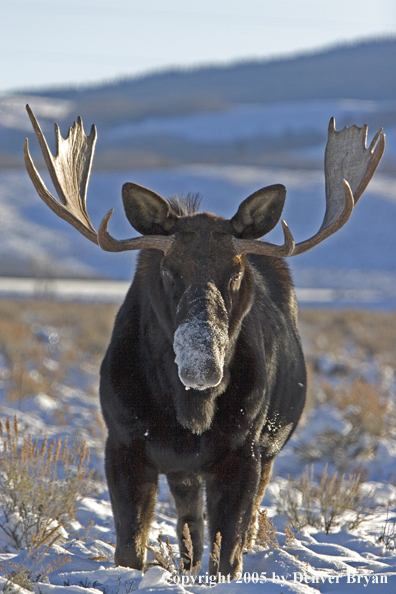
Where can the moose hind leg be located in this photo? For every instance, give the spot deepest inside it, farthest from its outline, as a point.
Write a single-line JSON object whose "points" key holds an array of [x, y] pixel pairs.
{"points": [[187, 490], [133, 487]]}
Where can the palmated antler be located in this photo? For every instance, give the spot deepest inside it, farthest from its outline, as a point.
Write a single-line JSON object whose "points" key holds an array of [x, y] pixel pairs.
{"points": [[349, 167], [69, 171]]}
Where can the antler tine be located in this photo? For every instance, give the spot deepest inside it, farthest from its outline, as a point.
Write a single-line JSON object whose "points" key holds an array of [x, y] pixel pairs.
{"points": [[263, 248], [349, 167], [69, 171], [109, 244]]}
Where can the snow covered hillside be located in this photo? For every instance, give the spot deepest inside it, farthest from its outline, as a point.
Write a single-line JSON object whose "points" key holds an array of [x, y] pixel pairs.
{"points": [[273, 121], [361, 257], [225, 155]]}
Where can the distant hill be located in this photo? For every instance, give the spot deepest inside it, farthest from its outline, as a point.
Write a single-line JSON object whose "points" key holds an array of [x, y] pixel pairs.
{"points": [[366, 70], [155, 120]]}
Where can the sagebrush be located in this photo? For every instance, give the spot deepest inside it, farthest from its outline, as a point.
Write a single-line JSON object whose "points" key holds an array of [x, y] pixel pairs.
{"points": [[41, 484], [324, 503]]}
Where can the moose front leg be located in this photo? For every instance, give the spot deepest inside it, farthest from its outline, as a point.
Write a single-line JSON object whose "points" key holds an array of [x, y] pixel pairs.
{"points": [[231, 494], [187, 490], [133, 487], [265, 475]]}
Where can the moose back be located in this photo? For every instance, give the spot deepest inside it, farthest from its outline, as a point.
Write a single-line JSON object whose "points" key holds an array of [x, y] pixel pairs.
{"points": [[204, 379]]}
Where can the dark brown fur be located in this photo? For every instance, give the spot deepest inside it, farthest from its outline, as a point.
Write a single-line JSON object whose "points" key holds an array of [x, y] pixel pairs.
{"points": [[225, 436]]}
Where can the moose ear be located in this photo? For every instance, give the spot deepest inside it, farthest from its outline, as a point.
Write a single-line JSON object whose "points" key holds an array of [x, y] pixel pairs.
{"points": [[147, 212], [259, 213]]}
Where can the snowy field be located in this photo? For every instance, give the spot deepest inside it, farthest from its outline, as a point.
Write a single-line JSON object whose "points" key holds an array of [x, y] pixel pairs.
{"points": [[115, 291], [336, 433]]}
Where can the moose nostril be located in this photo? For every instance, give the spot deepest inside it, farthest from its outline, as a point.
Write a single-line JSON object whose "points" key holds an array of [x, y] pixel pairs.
{"points": [[202, 380]]}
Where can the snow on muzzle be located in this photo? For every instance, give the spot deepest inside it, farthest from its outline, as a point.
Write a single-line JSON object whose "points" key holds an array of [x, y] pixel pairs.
{"points": [[201, 338]]}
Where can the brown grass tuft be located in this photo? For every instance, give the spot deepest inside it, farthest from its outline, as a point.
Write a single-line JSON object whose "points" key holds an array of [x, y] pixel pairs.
{"points": [[78, 334], [266, 533], [41, 484], [326, 502]]}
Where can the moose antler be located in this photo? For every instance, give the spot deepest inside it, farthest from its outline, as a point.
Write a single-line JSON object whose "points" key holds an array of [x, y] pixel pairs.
{"points": [[69, 171], [349, 167]]}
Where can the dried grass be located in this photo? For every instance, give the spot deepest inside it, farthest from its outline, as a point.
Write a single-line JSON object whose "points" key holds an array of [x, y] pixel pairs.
{"points": [[371, 333], [84, 331], [215, 554], [78, 335], [325, 502], [41, 485], [290, 540], [266, 533], [33, 364], [166, 557]]}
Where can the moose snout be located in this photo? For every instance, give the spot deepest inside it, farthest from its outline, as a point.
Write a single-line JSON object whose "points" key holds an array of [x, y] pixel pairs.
{"points": [[201, 339], [200, 351], [201, 379]]}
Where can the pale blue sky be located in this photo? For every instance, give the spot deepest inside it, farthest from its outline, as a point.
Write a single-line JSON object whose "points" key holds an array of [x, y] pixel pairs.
{"points": [[57, 42]]}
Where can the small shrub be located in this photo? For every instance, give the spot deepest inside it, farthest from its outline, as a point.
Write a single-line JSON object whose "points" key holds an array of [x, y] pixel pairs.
{"points": [[266, 536], [215, 554], [166, 557], [127, 585], [189, 546], [324, 504], [370, 413], [41, 484], [388, 534], [367, 408], [34, 567], [345, 452]]}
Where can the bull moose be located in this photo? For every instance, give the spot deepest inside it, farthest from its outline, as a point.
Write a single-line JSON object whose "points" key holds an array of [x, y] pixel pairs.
{"points": [[204, 379]]}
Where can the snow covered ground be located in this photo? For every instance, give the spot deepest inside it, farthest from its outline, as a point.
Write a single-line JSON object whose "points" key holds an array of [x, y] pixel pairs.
{"points": [[345, 560], [115, 291]]}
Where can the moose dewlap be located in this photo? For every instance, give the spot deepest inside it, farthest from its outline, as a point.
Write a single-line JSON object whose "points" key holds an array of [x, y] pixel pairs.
{"points": [[204, 379]]}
